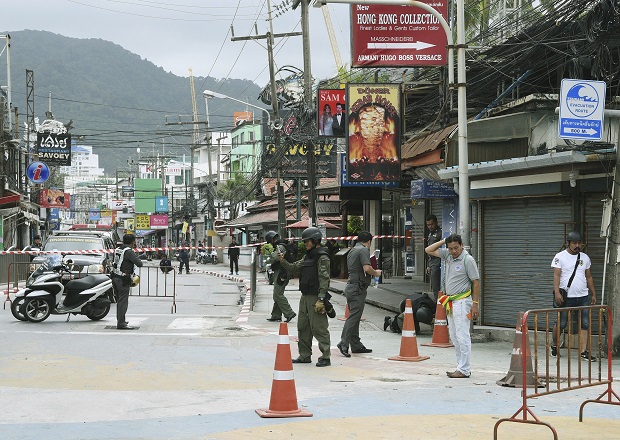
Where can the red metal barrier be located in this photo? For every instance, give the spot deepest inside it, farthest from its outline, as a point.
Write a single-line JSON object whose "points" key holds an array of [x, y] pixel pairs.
{"points": [[583, 379]]}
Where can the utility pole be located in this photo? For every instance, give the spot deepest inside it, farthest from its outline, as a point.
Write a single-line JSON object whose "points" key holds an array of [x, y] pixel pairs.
{"points": [[269, 36], [305, 30]]}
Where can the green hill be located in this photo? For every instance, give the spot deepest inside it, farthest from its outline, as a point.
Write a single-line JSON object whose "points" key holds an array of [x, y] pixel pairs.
{"points": [[116, 100]]}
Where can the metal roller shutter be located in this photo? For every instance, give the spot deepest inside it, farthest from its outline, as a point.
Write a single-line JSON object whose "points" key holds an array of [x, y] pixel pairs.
{"points": [[436, 208], [520, 238], [596, 244]]}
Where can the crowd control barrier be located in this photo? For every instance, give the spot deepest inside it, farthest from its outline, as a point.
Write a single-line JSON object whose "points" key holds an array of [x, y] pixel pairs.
{"points": [[565, 375], [157, 284]]}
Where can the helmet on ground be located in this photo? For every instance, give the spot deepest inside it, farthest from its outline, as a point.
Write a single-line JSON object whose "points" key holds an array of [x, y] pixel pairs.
{"points": [[573, 236], [135, 280], [313, 234], [269, 236], [424, 314]]}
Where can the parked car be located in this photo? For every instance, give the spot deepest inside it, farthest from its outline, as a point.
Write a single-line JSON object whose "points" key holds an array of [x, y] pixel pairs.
{"points": [[68, 241]]}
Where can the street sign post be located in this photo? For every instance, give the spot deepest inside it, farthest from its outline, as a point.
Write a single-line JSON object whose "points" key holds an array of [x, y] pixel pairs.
{"points": [[582, 104]]}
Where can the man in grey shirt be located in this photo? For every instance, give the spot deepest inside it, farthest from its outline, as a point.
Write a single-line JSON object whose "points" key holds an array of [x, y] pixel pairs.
{"points": [[462, 282], [360, 271]]}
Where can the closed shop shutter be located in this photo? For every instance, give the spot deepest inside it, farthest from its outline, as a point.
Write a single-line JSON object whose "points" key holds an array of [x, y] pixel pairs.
{"points": [[596, 244], [520, 238], [436, 206]]}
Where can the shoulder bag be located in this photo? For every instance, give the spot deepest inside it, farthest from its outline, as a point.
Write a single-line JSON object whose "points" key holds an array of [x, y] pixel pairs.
{"points": [[564, 292]]}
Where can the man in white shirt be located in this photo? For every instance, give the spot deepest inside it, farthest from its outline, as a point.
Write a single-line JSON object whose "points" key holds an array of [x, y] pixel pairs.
{"points": [[581, 283]]}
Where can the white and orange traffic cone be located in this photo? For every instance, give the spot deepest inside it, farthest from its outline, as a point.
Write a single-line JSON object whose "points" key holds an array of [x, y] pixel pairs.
{"points": [[408, 342], [514, 377], [441, 337], [283, 401]]}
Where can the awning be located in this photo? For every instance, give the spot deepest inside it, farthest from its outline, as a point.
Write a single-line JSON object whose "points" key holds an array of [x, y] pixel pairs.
{"points": [[303, 224], [9, 197], [425, 143], [253, 219]]}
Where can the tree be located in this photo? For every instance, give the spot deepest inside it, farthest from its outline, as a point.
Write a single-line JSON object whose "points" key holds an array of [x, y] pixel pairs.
{"points": [[354, 225], [233, 192]]}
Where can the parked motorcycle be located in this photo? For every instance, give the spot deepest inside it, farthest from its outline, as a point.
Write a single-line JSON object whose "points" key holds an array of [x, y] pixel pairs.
{"points": [[204, 257], [54, 289], [270, 275]]}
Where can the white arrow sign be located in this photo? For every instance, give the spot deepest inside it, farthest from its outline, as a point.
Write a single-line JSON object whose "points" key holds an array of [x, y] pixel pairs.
{"points": [[418, 45]]}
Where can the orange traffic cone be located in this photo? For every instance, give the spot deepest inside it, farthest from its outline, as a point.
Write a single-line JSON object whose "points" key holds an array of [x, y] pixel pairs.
{"points": [[408, 342], [283, 401], [441, 338], [346, 314], [514, 377]]}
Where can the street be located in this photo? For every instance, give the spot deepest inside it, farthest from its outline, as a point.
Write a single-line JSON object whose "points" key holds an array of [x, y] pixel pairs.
{"points": [[201, 373]]}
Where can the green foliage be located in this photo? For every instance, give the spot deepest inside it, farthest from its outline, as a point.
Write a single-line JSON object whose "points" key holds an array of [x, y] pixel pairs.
{"points": [[267, 249], [234, 192], [354, 225]]}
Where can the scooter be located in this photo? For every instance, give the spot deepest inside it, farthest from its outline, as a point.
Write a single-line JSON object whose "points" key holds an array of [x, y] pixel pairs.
{"points": [[54, 289], [270, 274], [213, 256], [201, 256]]}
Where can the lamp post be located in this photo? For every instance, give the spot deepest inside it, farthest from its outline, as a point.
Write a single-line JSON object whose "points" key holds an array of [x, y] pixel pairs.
{"points": [[212, 94]]}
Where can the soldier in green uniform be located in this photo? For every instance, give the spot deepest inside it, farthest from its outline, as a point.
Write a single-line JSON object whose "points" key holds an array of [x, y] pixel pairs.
{"points": [[314, 270], [280, 303]]}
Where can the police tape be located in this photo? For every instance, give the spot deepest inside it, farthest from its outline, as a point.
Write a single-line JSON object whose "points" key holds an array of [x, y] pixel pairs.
{"points": [[178, 248]]}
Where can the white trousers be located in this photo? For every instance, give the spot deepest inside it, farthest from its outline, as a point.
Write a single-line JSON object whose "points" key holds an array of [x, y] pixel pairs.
{"points": [[458, 326]]}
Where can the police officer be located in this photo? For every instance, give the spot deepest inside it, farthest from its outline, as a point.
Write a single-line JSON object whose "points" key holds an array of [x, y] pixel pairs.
{"points": [[280, 303], [360, 271], [313, 283], [434, 263], [124, 261]]}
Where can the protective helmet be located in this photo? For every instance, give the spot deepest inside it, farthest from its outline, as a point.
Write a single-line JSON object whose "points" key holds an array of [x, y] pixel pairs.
{"points": [[573, 236], [313, 234], [269, 236], [424, 314], [135, 280]]}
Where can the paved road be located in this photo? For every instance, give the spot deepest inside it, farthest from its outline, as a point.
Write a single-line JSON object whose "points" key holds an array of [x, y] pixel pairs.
{"points": [[201, 373]]}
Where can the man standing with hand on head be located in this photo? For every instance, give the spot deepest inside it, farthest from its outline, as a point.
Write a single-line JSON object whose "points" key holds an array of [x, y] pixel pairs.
{"points": [[460, 299], [360, 273]]}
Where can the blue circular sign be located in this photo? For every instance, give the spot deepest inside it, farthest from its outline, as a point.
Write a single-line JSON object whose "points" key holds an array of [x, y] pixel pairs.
{"points": [[582, 100], [38, 172]]}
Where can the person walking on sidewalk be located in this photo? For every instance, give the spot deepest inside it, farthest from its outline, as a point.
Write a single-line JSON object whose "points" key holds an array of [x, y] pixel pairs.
{"points": [[314, 270], [571, 282], [461, 282], [280, 303], [434, 263], [125, 260], [233, 256], [184, 258], [360, 272]]}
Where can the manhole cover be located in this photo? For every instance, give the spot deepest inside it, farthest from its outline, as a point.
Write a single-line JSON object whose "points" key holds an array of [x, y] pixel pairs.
{"points": [[113, 327]]}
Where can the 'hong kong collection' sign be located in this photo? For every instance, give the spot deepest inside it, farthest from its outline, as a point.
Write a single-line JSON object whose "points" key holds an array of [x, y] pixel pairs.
{"points": [[398, 36]]}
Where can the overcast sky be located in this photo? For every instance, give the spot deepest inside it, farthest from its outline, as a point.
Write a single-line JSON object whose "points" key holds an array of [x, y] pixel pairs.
{"points": [[179, 34]]}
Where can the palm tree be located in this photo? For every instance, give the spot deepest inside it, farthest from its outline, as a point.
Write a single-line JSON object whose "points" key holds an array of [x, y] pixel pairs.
{"points": [[235, 191]]}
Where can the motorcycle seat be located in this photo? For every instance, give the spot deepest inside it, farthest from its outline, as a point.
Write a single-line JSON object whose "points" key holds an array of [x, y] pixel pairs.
{"points": [[86, 283]]}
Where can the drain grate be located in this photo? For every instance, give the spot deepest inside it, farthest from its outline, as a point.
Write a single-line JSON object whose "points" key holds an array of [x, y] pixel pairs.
{"points": [[233, 328], [113, 327]]}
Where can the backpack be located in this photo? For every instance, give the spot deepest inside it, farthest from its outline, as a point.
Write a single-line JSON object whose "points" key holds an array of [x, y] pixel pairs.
{"points": [[291, 252], [119, 256]]}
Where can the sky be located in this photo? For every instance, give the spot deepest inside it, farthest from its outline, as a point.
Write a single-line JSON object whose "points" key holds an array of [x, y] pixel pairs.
{"points": [[181, 34]]}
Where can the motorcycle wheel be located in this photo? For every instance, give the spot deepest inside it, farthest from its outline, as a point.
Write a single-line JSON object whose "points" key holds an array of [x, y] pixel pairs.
{"points": [[16, 309], [37, 309], [98, 313]]}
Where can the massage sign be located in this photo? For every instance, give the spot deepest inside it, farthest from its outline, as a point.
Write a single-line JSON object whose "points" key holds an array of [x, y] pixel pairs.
{"points": [[54, 148]]}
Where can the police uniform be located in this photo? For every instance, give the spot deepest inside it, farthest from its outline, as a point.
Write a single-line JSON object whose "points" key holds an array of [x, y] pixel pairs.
{"points": [[121, 280], [434, 263], [314, 270], [355, 292], [280, 302]]}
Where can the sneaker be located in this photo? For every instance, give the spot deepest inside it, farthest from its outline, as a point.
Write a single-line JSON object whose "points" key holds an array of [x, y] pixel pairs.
{"points": [[586, 355], [554, 351], [230, 273]]}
